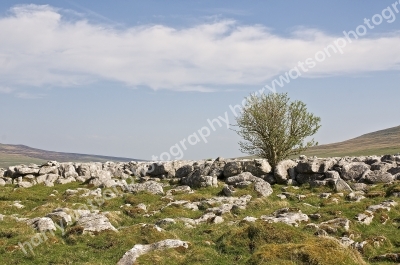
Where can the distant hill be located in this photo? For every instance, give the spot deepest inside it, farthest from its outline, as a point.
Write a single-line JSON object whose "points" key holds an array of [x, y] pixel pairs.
{"points": [[21, 154], [376, 143]]}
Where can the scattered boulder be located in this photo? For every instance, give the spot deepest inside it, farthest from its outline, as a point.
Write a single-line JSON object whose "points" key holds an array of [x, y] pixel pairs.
{"points": [[232, 168], [42, 224], [27, 170], [373, 177], [284, 171], [196, 180], [354, 171], [130, 257], [245, 176], [314, 165], [263, 188], [59, 216], [184, 171], [149, 186], [217, 168], [365, 218], [304, 178], [94, 223], [287, 216]]}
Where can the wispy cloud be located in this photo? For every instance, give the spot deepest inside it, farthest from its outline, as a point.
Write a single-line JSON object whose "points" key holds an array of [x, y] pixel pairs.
{"points": [[25, 95], [41, 47], [6, 90]]}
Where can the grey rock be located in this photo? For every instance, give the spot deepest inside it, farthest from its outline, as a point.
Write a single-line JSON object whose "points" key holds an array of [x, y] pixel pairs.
{"points": [[48, 170], [130, 256], [284, 171], [149, 186], [184, 171], [232, 168], [354, 171], [93, 223], [179, 190], [304, 178], [245, 176], [334, 224], [270, 178], [27, 170], [42, 224], [2, 182], [217, 168], [228, 190], [332, 174], [67, 170], [365, 218], [196, 180], [386, 206], [166, 221], [359, 186], [263, 188], [243, 184], [373, 177], [394, 170], [341, 185], [87, 170], [382, 166], [257, 167], [314, 165], [167, 169], [59, 216], [25, 184], [65, 180], [286, 216]]}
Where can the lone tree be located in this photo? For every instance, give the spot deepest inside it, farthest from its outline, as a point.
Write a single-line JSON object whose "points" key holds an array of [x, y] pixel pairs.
{"points": [[275, 128]]}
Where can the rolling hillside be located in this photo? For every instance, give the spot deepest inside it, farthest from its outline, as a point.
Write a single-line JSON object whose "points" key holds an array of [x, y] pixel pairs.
{"points": [[21, 154], [376, 143]]}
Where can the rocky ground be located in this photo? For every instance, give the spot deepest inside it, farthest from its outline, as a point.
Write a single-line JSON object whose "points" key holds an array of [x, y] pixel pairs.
{"points": [[306, 211]]}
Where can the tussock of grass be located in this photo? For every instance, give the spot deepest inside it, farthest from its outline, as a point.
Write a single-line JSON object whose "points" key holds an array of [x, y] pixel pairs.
{"points": [[313, 251]]}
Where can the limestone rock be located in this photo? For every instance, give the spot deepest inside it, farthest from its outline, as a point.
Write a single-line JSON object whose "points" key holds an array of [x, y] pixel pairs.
{"points": [[130, 257], [196, 180], [60, 217], [93, 223], [245, 176], [354, 171], [27, 170], [263, 188], [48, 170], [314, 165], [304, 178], [284, 171], [285, 215], [42, 224], [184, 171], [365, 218], [373, 177], [232, 168], [149, 186]]}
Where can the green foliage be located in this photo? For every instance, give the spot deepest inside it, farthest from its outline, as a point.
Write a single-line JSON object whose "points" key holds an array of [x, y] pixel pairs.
{"points": [[275, 128]]}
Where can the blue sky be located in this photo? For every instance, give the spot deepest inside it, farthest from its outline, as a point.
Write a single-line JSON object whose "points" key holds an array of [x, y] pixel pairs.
{"points": [[142, 79]]}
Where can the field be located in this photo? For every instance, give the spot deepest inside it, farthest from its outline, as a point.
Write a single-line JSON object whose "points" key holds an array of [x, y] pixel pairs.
{"points": [[232, 242]]}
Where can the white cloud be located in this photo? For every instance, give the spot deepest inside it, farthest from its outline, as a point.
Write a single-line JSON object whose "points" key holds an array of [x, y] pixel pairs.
{"points": [[40, 47], [6, 90], [26, 95]]}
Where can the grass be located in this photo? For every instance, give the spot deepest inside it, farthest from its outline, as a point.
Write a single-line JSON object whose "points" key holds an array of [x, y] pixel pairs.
{"points": [[232, 242]]}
